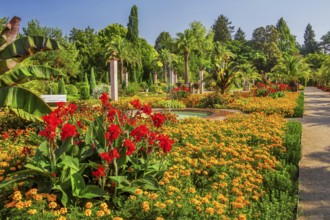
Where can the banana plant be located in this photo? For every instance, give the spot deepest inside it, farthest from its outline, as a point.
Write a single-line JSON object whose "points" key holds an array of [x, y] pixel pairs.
{"points": [[13, 51]]}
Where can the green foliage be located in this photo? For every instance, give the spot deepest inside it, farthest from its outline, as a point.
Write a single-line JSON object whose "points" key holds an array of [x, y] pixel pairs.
{"points": [[171, 103], [92, 81], [222, 29], [85, 91], [164, 41], [61, 87], [100, 89], [310, 44], [299, 110], [133, 25], [239, 35], [287, 42], [71, 90], [132, 89]]}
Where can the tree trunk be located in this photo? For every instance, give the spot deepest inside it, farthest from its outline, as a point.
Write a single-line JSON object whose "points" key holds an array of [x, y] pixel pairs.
{"points": [[186, 68], [165, 73]]}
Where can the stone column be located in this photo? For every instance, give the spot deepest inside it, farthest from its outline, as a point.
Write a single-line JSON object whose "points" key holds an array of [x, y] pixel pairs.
{"points": [[155, 78], [114, 79], [171, 77], [201, 85], [126, 79]]}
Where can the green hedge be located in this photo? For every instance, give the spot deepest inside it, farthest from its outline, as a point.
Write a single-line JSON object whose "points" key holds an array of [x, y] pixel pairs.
{"points": [[299, 110], [282, 185]]}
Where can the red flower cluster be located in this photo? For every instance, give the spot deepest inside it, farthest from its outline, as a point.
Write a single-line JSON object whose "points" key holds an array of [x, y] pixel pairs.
{"points": [[112, 133], [52, 121], [158, 119], [181, 88], [130, 147], [165, 143], [136, 103], [145, 108], [99, 172], [110, 156], [139, 132], [68, 130], [5, 136]]}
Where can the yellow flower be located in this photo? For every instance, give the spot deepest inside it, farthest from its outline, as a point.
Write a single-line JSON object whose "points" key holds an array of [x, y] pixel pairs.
{"points": [[63, 211], [52, 205], [104, 205], [88, 212], [117, 218], [51, 198], [100, 213], [159, 218], [145, 206], [209, 211], [61, 218], [88, 205], [17, 196], [138, 191], [32, 211], [133, 197]]}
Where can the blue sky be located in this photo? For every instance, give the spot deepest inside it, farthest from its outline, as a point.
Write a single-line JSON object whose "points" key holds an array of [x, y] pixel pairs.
{"points": [[173, 16]]}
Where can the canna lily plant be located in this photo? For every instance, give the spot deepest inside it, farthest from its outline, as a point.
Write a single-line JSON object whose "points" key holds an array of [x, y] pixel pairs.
{"points": [[12, 52]]}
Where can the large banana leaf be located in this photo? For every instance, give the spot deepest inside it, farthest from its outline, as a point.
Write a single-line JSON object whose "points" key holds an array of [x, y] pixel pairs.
{"points": [[24, 74], [24, 103], [24, 47]]}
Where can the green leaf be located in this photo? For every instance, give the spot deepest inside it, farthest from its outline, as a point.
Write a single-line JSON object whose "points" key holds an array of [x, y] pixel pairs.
{"points": [[90, 192], [63, 148], [148, 183], [19, 176], [65, 197], [24, 103], [37, 169], [120, 181], [43, 149], [27, 73], [77, 183], [130, 190]]}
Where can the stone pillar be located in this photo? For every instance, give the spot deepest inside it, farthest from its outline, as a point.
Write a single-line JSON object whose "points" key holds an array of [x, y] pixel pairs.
{"points": [[201, 83], [171, 77], [114, 79], [155, 78], [126, 79]]}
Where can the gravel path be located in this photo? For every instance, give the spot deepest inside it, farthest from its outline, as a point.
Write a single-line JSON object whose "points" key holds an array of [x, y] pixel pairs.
{"points": [[314, 190]]}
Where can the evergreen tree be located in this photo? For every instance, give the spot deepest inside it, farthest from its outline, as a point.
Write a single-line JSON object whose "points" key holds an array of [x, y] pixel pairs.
{"points": [[61, 87], [133, 25], [240, 35], [107, 81], [287, 42], [222, 29], [310, 44], [325, 43], [92, 81], [163, 41]]}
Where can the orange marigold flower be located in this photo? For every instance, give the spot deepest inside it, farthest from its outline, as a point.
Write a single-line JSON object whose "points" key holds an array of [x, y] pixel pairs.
{"points": [[88, 212], [32, 211], [100, 213], [145, 206], [88, 205], [52, 205]]}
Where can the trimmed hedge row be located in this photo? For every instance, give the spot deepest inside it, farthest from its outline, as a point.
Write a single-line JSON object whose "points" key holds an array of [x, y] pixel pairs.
{"points": [[299, 110]]}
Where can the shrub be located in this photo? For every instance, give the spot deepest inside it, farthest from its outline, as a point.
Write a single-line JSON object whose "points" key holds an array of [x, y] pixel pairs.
{"points": [[213, 100], [132, 89], [52, 88], [71, 90], [171, 104], [180, 92], [299, 110], [155, 89], [100, 89], [61, 87], [143, 85], [84, 92]]}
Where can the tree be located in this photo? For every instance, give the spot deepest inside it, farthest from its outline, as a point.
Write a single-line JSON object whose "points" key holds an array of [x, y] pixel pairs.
{"points": [[325, 43], [225, 69], [310, 44], [121, 49], [61, 87], [12, 52], [164, 41], [133, 25], [240, 35], [287, 42], [165, 58], [248, 73], [222, 29], [292, 68], [3, 22], [185, 44], [92, 81], [265, 41]]}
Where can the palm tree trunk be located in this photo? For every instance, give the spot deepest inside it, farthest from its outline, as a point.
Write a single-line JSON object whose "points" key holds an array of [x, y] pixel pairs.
{"points": [[186, 68], [165, 72]]}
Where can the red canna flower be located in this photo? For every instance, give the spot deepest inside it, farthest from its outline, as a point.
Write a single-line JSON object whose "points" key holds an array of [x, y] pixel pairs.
{"points": [[146, 109], [26, 151], [113, 132], [114, 154], [99, 172], [165, 143], [158, 119], [112, 112], [68, 130], [72, 108], [130, 147], [104, 98], [136, 103], [152, 137], [5, 136], [105, 156], [139, 132]]}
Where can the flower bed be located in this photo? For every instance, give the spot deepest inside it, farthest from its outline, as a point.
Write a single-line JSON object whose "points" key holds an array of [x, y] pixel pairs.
{"points": [[216, 170]]}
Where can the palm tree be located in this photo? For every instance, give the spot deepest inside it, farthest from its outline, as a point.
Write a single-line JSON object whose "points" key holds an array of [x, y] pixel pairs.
{"points": [[185, 44], [225, 69], [120, 48], [165, 58], [292, 68], [248, 72]]}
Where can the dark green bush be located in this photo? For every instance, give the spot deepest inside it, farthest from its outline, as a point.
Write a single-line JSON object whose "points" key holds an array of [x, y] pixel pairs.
{"points": [[212, 100], [61, 87], [71, 90], [299, 110], [132, 89]]}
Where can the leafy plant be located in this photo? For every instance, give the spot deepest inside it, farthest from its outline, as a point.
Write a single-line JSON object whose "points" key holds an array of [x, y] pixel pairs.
{"points": [[12, 52]]}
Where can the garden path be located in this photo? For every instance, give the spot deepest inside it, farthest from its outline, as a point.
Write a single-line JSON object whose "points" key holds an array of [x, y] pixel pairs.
{"points": [[314, 189]]}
